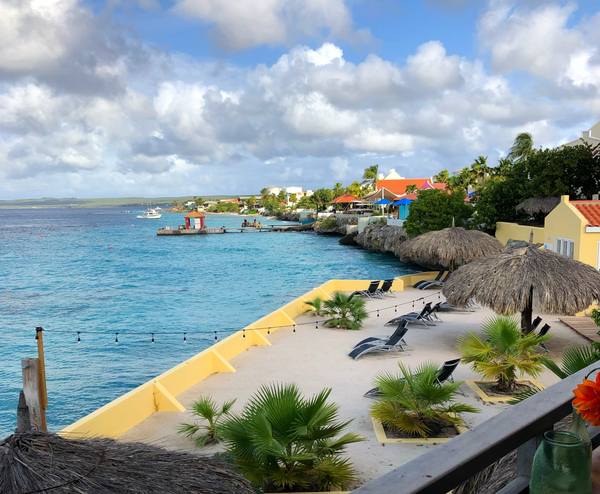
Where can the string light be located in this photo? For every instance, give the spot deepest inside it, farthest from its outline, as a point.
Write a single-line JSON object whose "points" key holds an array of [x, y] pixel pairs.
{"points": [[395, 307]]}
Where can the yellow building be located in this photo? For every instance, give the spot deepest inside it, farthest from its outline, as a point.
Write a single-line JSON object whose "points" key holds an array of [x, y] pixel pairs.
{"points": [[572, 229]]}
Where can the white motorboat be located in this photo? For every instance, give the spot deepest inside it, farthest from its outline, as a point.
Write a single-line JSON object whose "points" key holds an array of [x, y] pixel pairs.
{"points": [[151, 214]]}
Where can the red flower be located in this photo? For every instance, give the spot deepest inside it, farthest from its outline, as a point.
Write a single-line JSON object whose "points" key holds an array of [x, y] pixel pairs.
{"points": [[587, 400]]}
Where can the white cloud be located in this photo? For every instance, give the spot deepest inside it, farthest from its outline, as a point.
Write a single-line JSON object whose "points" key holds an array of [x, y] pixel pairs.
{"points": [[239, 24], [122, 124]]}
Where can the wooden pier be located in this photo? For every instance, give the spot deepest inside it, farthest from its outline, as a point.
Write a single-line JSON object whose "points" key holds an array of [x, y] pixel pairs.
{"points": [[219, 231]]}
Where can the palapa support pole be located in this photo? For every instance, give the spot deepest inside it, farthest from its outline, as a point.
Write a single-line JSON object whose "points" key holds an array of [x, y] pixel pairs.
{"points": [[31, 393], [39, 336], [527, 314]]}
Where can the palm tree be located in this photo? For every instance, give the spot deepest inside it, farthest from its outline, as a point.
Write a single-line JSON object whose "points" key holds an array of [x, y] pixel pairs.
{"points": [[207, 409], [481, 169], [346, 311], [522, 148], [371, 177], [338, 190], [285, 442], [315, 306], [410, 188], [504, 353], [355, 189], [415, 403], [442, 177]]}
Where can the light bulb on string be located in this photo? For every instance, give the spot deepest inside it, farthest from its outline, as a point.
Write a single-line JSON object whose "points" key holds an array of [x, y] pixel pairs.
{"points": [[244, 332], [294, 328], [215, 336], [184, 338], [377, 313], [152, 337], [396, 309], [269, 330], [78, 337], [116, 338]]}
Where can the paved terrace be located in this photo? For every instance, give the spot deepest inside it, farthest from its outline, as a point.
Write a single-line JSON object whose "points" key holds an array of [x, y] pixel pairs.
{"points": [[316, 359]]}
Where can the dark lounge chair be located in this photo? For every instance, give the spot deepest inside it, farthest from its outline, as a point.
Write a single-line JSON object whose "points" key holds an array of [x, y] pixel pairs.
{"points": [[392, 343], [386, 288], [422, 317], [448, 307], [432, 283], [536, 322], [369, 292], [437, 278], [401, 329], [444, 374], [544, 332]]}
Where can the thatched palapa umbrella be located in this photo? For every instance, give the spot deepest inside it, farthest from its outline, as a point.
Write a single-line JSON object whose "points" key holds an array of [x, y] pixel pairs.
{"points": [[537, 205], [508, 282], [449, 247], [32, 462]]}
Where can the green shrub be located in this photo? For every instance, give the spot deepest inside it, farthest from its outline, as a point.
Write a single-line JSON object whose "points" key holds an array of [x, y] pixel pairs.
{"points": [[252, 211], [414, 403], [315, 306], [377, 213], [329, 223], [284, 442]]}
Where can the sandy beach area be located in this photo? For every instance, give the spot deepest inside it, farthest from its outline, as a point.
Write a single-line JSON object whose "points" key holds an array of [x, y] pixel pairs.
{"points": [[317, 358]]}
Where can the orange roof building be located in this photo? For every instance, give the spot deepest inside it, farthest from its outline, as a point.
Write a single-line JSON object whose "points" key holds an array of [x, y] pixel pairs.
{"points": [[398, 187], [198, 220], [344, 199]]}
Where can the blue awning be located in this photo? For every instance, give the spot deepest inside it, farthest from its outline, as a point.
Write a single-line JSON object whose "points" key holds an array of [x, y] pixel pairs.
{"points": [[383, 201], [402, 202]]}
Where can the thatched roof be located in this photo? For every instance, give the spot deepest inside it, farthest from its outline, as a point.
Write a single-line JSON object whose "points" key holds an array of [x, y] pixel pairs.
{"points": [[448, 246], [195, 214], [502, 282], [39, 461], [536, 205]]}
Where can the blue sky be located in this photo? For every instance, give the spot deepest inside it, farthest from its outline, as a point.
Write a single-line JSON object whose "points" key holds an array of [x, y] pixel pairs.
{"points": [[149, 97]]}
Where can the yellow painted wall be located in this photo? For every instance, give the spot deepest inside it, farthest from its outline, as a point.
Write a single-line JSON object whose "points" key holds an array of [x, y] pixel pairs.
{"points": [[158, 395], [506, 231], [566, 222]]}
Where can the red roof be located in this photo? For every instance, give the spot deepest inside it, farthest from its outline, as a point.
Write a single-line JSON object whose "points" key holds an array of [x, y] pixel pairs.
{"points": [[590, 210], [346, 198], [398, 187]]}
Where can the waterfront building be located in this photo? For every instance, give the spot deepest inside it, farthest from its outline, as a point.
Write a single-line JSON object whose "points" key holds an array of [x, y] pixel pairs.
{"points": [[289, 191], [397, 185]]}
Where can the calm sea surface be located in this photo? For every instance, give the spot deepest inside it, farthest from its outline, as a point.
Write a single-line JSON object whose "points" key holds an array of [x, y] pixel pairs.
{"points": [[69, 279]]}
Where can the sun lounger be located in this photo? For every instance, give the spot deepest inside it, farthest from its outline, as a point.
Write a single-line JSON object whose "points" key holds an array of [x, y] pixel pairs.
{"points": [[536, 322], [394, 342], [448, 307], [435, 283], [444, 374], [401, 329], [411, 317], [386, 288], [543, 332], [369, 292], [437, 278]]}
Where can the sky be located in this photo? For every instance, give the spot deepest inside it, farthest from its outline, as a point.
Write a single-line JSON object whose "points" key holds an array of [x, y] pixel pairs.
{"points": [[116, 98]]}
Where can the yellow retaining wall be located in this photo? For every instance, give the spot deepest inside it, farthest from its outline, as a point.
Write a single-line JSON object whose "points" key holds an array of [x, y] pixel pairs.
{"points": [[507, 231], [159, 394]]}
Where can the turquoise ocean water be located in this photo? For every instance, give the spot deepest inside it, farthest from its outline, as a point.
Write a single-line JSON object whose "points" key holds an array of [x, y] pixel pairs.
{"points": [[69, 279]]}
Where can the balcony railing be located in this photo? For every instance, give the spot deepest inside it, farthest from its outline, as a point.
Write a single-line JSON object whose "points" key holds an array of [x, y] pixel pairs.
{"points": [[519, 427]]}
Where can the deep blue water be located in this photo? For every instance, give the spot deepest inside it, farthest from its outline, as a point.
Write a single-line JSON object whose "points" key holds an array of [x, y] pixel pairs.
{"points": [[71, 280]]}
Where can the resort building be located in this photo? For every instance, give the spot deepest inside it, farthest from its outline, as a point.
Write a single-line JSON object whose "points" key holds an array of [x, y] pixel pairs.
{"points": [[397, 185], [289, 191], [572, 228]]}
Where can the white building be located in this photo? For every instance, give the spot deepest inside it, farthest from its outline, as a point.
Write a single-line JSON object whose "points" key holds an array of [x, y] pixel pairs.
{"points": [[392, 175], [289, 191], [591, 137]]}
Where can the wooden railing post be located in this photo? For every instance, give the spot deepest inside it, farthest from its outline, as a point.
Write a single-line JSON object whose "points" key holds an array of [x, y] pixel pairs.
{"points": [[39, 336], [31, 390]]}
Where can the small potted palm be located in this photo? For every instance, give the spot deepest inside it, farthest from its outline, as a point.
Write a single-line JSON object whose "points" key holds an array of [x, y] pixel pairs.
{"points": [[414, 407], [208, 411], [503, 355]]}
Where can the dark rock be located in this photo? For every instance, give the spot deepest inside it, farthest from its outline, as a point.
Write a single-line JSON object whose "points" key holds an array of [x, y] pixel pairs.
{"points": [[349, 239], [382, 238]]}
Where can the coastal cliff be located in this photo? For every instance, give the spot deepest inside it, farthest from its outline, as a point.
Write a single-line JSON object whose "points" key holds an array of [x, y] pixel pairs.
{"points": [[382, 238], [332, 225]]}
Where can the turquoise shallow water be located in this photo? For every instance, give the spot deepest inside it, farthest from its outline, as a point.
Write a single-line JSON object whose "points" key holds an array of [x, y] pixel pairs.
{"points": [[71, 280]]}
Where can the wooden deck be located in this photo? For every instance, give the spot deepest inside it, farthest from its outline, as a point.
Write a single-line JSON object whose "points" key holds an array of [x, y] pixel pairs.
{"points": [[207, 231], [583, 325]]}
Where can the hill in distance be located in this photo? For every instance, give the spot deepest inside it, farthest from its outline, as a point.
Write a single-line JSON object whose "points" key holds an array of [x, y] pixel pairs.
{"points": [[74, 202]]}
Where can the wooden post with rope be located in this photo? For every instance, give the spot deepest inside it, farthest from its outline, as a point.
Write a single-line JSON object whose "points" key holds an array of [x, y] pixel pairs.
{"points": [[39, 336]]}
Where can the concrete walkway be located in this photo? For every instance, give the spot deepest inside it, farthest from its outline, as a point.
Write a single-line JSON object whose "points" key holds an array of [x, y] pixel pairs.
{"points": [[316, 359]]}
